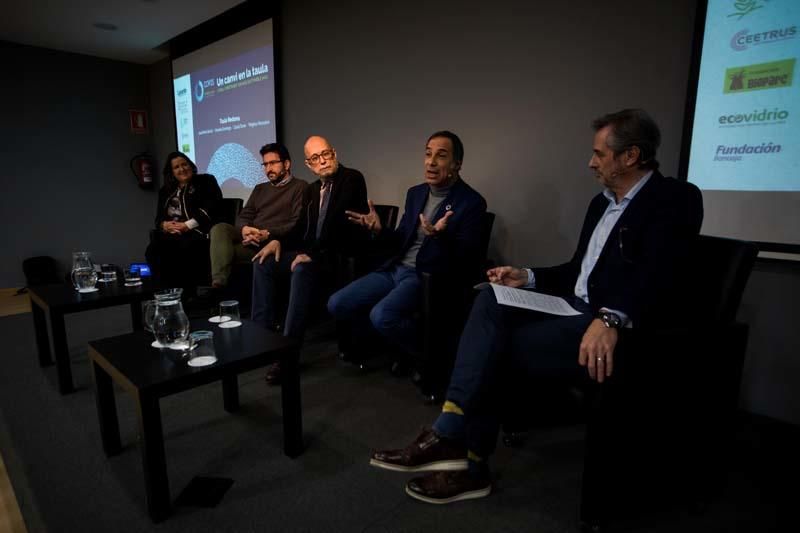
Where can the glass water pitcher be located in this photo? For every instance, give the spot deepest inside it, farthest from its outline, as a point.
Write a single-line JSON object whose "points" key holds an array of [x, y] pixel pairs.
{"points": [[170, 323], [83, 274]]}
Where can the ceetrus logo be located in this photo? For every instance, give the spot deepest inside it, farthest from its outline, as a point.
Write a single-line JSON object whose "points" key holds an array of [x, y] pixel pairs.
{"points": [[757, 117], [742, 40], [773, 75], [739, 152], [745, 7]]}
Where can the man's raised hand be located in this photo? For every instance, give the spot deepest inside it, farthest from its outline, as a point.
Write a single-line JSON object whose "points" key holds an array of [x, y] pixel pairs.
{"points": [[434, 229], [369, 220]]}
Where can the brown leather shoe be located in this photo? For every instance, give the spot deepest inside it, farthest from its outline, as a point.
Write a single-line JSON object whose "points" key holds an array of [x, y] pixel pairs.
{"points": [[428, 452], [448, 487], [273, 376]]}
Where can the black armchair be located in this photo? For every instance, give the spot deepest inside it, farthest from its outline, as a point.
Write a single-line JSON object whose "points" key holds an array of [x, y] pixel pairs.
{"points": [[661, 426], [228, 210], [351, 343], [354, 266]]}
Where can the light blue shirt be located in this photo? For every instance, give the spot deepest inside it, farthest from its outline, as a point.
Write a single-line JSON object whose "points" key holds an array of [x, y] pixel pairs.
{"points": [[598, 240]]}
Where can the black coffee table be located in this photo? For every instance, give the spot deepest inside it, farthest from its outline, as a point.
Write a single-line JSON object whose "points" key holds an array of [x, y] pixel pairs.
{"points": [[149, 374], [59, 300]]}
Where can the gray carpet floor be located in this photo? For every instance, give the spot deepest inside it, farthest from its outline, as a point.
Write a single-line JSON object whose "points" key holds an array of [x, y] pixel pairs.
{"points": [[64, 483]]}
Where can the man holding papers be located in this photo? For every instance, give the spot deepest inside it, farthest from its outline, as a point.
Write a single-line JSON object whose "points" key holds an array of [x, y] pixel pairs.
{"points": [[631, 258]]}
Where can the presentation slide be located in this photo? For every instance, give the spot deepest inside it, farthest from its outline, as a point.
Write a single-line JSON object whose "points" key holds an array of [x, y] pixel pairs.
{"points": [[225, 107], [747, 117]]}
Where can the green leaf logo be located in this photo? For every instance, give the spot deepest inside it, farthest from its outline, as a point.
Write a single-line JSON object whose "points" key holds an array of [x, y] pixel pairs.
{"points": [[745, 7]]}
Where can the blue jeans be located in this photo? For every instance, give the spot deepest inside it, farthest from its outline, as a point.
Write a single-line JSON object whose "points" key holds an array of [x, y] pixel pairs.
{"points": [[497, 336], [300, 291], [389, 297]]}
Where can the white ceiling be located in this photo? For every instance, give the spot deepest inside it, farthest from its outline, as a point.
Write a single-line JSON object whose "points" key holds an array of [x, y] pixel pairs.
{"points": [[143, 25]]}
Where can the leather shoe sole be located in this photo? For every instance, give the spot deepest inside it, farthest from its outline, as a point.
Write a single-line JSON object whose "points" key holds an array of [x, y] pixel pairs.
{"points": [[443, 487], [448, 465]]}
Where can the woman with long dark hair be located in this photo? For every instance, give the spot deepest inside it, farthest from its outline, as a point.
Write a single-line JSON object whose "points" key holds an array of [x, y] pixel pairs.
{"points": [[187, 208]]}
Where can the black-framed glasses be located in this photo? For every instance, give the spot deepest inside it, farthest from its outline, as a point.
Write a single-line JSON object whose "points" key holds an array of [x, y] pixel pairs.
{"points": [[325, 154], [267, 164]]}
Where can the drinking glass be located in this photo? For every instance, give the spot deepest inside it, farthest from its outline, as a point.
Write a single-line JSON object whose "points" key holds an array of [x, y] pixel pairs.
{"points": [[132, 277], [108, 273], [229, 314], [201, 351]]}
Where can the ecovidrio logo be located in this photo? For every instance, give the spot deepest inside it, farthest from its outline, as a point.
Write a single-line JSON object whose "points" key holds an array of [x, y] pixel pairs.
{"points": [[743, 39], [772, 75], [756, 117]]}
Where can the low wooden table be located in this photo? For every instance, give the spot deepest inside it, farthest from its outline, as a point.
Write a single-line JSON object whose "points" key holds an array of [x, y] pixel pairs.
{"points": [[149, 374], [61, 299]]}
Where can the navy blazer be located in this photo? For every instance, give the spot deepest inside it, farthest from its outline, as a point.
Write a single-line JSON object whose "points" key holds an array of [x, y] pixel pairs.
{"points": [[645, 261], [458, 247]]}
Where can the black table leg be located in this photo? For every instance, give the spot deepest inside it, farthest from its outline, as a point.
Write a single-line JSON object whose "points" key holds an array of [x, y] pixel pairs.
{"points": [[154, 462], [230, 393], [63, 366], [136, 316], [106, 410], [290, 400], [42, 340]]}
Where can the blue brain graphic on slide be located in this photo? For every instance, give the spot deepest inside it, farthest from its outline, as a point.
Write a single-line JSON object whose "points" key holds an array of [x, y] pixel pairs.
{"points": [[233, 161]]}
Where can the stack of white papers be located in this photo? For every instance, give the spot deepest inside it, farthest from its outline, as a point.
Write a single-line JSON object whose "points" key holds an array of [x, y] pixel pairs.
{"points": [[527, 299]]}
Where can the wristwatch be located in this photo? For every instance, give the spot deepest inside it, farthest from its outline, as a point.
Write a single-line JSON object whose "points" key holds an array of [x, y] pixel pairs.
{"points": [[610, 320]]}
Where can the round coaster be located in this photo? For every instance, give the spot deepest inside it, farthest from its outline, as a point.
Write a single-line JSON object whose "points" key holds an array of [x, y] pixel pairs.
{"points": [[219, 318], [134, 284], [230, 324], [204, 360], [179, 345], [84, 291]]}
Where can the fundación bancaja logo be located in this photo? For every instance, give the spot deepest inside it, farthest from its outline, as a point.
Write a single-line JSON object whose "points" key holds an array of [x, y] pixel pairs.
{"points": [[743, 39], [738, 152], [756, 117], [772, 75]]}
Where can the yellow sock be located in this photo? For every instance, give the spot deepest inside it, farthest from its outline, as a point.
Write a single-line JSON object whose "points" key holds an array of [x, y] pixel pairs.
{"points": [[450, 407]]}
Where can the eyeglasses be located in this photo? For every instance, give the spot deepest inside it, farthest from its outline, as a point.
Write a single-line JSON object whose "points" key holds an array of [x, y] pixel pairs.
{"points": [[325, 154], [266, 164]]}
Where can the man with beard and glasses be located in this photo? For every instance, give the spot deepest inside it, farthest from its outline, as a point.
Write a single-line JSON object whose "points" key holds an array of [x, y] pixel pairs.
{"points": [[272, 212]]}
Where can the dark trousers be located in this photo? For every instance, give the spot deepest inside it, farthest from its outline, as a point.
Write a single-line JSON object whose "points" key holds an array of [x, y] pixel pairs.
{"points": [[499, 338], [302, 281], [389, 298], [179, 260]]}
